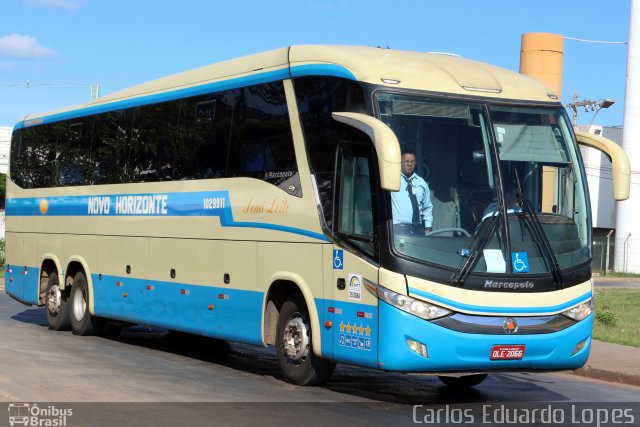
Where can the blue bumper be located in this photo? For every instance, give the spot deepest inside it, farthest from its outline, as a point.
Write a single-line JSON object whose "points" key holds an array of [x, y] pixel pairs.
{"points": [[453, 351]]}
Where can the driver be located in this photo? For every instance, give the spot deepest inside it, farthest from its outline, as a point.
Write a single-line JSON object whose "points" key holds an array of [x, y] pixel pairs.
{"points": [[510, 201], [411, 206]]}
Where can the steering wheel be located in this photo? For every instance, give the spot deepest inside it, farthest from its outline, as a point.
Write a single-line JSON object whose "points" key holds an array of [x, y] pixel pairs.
{"points": [[451, 230]]}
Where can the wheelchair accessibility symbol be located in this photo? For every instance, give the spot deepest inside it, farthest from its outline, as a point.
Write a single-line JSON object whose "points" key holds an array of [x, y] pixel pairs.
{"points": [[338, 259], [520, 262]]}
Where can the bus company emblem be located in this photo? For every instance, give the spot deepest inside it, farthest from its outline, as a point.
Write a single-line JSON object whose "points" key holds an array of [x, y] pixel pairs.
{"points": [[510, 326], [355, 287], [44, 206]]}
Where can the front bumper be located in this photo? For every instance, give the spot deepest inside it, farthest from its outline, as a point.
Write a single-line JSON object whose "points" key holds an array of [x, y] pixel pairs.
{"points": [[453, 351]]}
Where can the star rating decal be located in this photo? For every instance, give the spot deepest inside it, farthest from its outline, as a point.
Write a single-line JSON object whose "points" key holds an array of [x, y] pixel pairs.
{"points": [[355, 329]]}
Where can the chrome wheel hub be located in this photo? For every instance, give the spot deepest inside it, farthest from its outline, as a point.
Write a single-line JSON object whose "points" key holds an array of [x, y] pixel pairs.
{"points": [[296, 339], [54, 299], [79, 304]]}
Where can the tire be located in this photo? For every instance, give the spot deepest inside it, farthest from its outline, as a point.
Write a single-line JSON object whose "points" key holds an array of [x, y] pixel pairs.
{"points": [[82, 322], [57, 305], [466, 381], [298, 364]]}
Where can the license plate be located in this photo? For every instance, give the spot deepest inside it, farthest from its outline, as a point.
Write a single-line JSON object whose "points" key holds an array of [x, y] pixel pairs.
{"points": [[507, 352]]}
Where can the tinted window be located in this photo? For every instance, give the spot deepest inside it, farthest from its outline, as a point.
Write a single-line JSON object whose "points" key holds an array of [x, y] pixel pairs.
{"points": [[183, 139], [110, 150], [153, 142], [32, 158], [261, 141], [203, 140], [355, 219], [317, 98], [74, 164]]}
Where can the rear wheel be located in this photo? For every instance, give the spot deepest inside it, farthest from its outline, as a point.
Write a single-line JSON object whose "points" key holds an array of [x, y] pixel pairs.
{"points": [[466, 381], [82, 322], [298, 363], [57, 305]]}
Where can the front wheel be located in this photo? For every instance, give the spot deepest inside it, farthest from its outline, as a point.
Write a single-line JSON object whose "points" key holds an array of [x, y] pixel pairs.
{"points": [[466, 381], [297, 362]]}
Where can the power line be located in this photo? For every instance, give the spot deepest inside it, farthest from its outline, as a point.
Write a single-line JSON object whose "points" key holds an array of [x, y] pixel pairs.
{"points": [[593, 41], [607, 170], [610, 179], [76, 82]]}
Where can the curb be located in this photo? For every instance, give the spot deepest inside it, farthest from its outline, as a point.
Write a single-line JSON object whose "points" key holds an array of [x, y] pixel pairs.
{"points": [[609, 376]]}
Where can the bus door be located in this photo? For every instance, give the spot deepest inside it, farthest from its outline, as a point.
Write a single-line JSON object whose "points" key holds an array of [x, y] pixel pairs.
{"points": [[355, 225]]}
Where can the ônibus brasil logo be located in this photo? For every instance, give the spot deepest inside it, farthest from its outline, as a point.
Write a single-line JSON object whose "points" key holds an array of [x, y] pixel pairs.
{"points": [[26, 414]]}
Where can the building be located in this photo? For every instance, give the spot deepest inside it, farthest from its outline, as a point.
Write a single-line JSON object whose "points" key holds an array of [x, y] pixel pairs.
{"points": [[603, 206], [5, 142], [5, 139]]}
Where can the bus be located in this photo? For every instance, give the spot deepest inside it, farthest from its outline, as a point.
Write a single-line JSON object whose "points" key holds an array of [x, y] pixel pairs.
{"points": [[250, 201]]}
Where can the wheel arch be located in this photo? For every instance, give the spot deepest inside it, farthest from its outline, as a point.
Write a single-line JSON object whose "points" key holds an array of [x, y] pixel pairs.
{"points": [[283, 285]]}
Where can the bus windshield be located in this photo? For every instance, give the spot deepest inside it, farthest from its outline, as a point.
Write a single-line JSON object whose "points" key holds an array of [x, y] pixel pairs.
{"points": [[500, 184]]}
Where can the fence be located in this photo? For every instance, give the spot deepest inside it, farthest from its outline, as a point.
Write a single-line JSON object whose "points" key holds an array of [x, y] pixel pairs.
{"points": [[599, 254]]}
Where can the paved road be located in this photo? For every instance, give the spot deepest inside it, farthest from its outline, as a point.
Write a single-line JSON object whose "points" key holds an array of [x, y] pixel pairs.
{"points": [[144, 365]]}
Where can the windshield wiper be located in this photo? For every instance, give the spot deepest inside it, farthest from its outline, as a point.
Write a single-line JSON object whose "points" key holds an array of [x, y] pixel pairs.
{"points": [[529, 217], [485, 237]]}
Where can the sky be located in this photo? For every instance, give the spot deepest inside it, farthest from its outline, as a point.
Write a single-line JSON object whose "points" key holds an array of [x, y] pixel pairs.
{"points": [[52, 51]]}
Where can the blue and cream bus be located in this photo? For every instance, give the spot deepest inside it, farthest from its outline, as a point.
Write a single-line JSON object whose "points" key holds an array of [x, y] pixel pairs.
{"points": [[250, 201]]}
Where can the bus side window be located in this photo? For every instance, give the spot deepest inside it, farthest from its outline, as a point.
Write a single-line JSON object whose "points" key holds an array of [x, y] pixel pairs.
{"points": [[261, 139], [317, 97], [152, 155], [33, 156], [110, 146], [202, 144], [356, 202], [74, 163]]}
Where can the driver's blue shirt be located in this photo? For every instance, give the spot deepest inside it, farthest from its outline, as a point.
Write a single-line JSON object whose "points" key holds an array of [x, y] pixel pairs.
{"points": [[401, 203]]}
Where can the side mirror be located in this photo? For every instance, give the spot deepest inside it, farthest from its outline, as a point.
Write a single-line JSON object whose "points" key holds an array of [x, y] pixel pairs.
{"points": [[619, 160], [385, 142]]}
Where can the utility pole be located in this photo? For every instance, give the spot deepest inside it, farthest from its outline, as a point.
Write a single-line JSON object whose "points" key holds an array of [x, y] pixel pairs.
{"points": [[96, 91], [588, 104]]}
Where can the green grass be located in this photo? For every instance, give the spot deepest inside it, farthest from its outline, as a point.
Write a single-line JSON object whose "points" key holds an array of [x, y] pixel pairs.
{"points": [[617, 316]]}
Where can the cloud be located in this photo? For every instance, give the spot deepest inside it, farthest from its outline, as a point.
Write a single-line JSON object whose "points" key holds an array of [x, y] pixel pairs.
{"points": [[21, 46], [58, 4]]}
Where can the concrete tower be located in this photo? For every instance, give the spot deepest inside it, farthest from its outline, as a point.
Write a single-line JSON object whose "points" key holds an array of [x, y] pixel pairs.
{"points": [[627, 248]]}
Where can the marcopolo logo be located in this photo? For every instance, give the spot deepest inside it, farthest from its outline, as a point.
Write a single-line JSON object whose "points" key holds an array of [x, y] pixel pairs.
{"points": [[498, 284], [25, 414]]}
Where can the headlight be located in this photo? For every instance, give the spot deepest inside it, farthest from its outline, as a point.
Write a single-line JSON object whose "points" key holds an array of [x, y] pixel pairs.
{"points": [[580, 311], [410, 305]]}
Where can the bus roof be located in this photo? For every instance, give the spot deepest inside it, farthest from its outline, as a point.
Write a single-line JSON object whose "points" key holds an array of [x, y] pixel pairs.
{"points": [[434, 72]]}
